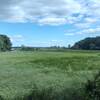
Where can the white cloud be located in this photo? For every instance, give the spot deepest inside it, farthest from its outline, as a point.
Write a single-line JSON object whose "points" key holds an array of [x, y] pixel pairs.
{"points": [[69, 34], [55, 41], [83, 25], [17, 38], [47, 43], [90, 31], [52, 21], [91, 20], [53, 12]]}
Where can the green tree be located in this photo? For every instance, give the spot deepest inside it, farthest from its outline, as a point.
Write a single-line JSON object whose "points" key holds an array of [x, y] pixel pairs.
{"points": [[5, 43], [88, 44]]}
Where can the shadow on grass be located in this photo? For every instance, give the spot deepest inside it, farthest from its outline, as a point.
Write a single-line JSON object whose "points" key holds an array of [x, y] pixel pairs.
{"points": [[50, 94], [92, 88], [1, 98]]}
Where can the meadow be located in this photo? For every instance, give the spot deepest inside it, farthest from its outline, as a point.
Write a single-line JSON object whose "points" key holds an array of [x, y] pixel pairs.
{"points": [[40, 75]]}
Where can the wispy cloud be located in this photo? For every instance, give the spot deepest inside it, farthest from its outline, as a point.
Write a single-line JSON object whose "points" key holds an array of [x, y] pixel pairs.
{"points": [[90, 31], [47, 43], [52, 21], [17, 38], [69, 34]]}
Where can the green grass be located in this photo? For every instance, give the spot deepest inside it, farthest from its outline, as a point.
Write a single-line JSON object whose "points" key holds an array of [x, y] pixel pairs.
{"points": [[46, 75]]}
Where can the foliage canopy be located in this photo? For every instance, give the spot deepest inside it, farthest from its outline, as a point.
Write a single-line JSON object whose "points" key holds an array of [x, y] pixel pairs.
{"points": [[5, 43], [88, 44]]}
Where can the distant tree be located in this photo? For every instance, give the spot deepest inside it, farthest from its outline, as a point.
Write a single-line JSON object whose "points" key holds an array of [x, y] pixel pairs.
{"points": [[5, 43], [22, 47], [26, 48], [88, 44], [69, 46]]}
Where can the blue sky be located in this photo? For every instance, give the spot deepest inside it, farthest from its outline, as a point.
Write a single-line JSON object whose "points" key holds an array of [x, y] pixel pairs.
{"points": [[49, 23]]}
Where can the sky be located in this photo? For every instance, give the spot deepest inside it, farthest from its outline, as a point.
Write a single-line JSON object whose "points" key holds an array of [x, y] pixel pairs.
{"points": [[49, 22]]}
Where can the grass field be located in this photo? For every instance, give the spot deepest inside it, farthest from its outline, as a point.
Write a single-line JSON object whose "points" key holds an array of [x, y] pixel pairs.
{"points": [[46, 75]]}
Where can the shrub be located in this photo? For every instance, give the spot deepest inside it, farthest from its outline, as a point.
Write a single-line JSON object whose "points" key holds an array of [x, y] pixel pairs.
{"points": [[92, 88]]}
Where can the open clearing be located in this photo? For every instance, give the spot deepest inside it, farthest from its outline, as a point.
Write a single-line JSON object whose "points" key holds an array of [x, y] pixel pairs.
{"points": [[58, 72]]}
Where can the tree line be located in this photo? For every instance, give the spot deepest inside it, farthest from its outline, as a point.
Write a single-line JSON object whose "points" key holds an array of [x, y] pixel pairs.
{"points": [[92, 43]]}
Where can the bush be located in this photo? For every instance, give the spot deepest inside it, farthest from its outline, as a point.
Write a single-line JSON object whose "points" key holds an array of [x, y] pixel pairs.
{"points": [[92, 88]]}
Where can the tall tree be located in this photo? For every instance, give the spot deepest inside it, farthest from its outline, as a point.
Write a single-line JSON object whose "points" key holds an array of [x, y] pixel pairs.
{"points": [[5, 43]]}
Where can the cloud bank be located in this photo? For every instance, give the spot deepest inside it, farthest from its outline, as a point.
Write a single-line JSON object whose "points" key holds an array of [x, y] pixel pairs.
{"points": [[51, 12]]}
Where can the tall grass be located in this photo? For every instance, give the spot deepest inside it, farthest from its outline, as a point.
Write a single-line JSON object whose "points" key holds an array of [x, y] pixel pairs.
{"points": [[46, 75]]}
